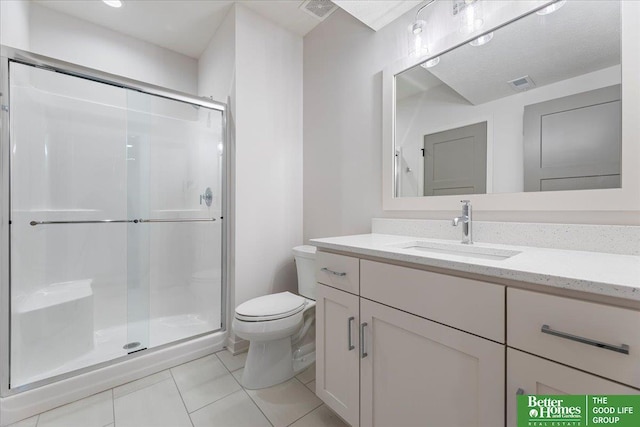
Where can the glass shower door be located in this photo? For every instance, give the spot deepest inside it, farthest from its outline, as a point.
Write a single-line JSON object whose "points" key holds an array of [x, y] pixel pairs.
{"points": [[115, 231], [68, 264], [175, 185]]}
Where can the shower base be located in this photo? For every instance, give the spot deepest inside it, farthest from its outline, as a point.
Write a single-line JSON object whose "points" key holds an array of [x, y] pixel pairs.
{"points": [[108, 343]]}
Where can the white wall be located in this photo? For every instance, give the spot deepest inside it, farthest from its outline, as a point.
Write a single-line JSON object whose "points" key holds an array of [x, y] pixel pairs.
{"points": [[441, 108], [29, 26], [216, 66], [268, 196], [258, 65], [14, 23]]}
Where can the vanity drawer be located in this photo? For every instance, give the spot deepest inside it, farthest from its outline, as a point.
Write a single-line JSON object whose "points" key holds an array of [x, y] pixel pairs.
{"points": [[582, 334], [471, 305], [339, 271]]}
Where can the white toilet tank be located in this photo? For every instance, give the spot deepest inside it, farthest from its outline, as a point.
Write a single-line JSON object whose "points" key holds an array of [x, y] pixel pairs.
{"points": [[305, 257]]}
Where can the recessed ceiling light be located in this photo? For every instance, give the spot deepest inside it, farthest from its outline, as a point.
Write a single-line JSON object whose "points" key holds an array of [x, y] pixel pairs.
{"points": [[551, 8], [113, 3], [482, 40]]}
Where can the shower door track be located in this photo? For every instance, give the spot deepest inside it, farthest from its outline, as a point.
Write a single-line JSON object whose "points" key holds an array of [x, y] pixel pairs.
{"points": [[9, 55]]}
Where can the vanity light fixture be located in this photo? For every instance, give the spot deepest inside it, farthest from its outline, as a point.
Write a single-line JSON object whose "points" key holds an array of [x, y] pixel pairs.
{"points": [[482, 39], [418, 45], [431, 63], [552, 7], [113, 3], [470, 12]]}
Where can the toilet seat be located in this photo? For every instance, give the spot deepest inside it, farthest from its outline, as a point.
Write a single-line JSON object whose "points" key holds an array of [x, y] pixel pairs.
{"points": [[270, 307]]}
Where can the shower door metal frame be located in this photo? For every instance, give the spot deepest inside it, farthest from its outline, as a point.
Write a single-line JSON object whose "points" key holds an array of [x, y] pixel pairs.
{"points": [[9, 55]]}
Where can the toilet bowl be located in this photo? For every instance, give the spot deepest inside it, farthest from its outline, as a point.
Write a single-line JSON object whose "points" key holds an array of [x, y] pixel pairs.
{"points": [[280, 328]]}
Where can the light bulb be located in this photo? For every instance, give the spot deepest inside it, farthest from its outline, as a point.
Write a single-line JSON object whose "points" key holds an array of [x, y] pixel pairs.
{"points": [[418, 47], [431, 63], [551, 8], [471, 17], [113, 3], [482, 40]]}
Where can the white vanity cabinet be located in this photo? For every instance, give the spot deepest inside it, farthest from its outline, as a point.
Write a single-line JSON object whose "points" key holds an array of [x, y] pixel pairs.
{"points": [[599, 339], [415, 372], [528, 374], [337, 351], [388, 357]]}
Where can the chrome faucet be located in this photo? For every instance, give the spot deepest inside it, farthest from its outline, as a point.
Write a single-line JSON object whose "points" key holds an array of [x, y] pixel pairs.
{"points": [[465, 218]]}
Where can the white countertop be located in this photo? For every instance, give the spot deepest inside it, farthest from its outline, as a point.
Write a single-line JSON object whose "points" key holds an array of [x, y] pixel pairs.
{"points": [[598, 273]]}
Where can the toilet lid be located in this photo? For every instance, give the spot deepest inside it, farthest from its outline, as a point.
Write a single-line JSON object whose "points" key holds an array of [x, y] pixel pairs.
{"points": [[270, 307]]}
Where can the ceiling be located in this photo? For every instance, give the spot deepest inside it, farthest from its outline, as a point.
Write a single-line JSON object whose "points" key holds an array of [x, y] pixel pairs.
{"points": [[186, 26], [415, 80], [579, 38], [378, 13]]}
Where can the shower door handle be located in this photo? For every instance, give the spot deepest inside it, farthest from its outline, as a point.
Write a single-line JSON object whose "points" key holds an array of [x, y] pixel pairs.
{"points": [[120, 221], [99, 221]]}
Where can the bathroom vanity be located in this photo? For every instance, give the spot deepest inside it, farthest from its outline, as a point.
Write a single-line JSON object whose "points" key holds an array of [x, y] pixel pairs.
{"points": [[414, 331]]}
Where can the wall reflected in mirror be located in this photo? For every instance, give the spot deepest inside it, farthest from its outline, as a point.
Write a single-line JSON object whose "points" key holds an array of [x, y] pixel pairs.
{"points": [[536, 107]]}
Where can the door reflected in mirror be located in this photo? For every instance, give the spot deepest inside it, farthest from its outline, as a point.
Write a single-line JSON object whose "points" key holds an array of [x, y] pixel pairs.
{"points": [[537, 108]]}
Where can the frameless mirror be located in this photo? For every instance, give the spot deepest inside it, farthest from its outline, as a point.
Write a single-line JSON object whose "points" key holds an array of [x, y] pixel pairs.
{"points": [[533, 106]]}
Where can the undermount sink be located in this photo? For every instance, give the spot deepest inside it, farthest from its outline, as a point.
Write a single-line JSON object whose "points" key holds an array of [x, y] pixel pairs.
{"points": [[458, 249]]}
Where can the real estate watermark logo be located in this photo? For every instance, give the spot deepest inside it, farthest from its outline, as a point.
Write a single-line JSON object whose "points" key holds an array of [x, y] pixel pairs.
{"points": [[578, 411]]}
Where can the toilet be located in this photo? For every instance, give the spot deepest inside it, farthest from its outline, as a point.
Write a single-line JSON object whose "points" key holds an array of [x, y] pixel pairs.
{"points": [[280, 328]]}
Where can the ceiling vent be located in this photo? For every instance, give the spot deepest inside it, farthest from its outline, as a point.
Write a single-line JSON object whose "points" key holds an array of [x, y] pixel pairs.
{"points": [[522, 83], [319, 9]]}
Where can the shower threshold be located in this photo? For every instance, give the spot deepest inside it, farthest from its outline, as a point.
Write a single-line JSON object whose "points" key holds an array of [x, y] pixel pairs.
{"points": [[108, 343]]}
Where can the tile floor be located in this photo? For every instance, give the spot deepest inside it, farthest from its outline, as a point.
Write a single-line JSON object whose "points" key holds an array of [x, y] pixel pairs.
{"points": [[203, 393]]}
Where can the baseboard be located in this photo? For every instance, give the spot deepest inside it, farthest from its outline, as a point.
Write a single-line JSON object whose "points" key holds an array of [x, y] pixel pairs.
{"points": [[236, 345]]}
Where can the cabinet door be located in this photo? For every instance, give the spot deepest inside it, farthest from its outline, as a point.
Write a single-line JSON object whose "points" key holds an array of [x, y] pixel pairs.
{"points": [[337, 364], [534, 375], [420, 373]]}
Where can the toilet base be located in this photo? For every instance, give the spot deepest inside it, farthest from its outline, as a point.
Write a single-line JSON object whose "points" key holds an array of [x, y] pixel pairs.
{"points": [[268, 363]]}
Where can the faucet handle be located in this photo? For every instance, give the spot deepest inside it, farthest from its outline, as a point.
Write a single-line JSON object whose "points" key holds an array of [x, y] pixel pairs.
{"points": [[466, 202]]}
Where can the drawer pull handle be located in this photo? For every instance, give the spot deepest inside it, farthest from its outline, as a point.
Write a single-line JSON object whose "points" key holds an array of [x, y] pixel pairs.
{"points": [[519, 392], [363, 348], [350, 345], [624, 349], [335, 273]]}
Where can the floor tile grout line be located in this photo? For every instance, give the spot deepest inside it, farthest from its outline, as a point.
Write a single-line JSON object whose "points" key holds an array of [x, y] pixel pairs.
{"points": [[251, 398], [181, 398], [295, 421], [215, 401], [223, 364], [257, 406], [220, 360], [113, 406], [209, 403], [140, 379]]}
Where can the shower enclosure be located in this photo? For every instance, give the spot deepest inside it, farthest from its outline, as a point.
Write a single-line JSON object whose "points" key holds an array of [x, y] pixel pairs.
{"points": [[113, 237]]}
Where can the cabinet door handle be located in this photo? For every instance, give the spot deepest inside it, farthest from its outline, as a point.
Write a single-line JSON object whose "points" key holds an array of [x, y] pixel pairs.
{"points": [[624, 349], [350, 345], [363, 352], [519, 392], [335, 273]]}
